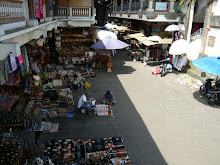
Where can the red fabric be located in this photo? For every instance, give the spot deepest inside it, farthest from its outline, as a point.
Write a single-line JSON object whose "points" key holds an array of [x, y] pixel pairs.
{"points": [[12, 79], [87, 59]]}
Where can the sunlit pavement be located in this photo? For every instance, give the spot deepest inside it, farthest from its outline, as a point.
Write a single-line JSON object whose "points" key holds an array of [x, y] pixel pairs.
{"points": [[160, 121]]}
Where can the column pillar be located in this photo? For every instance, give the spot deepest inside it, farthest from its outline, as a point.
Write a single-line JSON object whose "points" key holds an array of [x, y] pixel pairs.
{"points": [[150, 6], [116, 5], [122, 1], [130, 2], [141, 7], [172, 10], [32, 15]]}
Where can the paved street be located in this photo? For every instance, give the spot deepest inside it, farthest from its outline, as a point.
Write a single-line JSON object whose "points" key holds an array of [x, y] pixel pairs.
{"points": [[160, 121]]}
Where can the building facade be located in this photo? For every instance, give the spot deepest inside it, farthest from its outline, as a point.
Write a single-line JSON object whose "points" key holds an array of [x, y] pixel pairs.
{"points": [[211, 36], [24, 20]]}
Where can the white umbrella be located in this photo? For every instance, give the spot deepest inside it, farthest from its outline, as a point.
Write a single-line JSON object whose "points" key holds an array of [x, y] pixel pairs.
{"points": [[181, 27], [110, 26], [154, 38], [104, 33], [179, 47], [172, 28]]}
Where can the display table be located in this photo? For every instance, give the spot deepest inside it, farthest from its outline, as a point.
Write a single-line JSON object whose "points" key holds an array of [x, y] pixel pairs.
{"points": [[8, 103]]}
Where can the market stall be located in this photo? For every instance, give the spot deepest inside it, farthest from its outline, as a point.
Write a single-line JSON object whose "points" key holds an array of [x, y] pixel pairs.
{"points": [[92, 151], [74, 44]]}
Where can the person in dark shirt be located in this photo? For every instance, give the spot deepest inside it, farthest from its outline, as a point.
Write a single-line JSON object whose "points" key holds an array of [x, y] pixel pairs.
{"points": [[108, 98]]}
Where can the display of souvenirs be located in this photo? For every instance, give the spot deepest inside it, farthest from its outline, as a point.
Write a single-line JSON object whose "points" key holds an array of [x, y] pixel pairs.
{"points": [[7, 117], [92, 151], [103, 110], [6, 100]]}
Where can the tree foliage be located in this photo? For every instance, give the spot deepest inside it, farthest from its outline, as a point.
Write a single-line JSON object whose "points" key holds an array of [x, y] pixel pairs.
{"points": [[182, 3]]}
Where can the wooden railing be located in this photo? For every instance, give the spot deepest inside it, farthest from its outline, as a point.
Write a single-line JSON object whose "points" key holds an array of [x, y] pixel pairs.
{"points": [[81, 11], [62, 11], [11, 9]]}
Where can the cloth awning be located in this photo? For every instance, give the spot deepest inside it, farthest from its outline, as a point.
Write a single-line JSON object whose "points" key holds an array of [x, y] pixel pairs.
{"points": [[126, 37], [166, 41], [148, 43], [136, 35], [145, 41], [141, 38], [121, 28]]}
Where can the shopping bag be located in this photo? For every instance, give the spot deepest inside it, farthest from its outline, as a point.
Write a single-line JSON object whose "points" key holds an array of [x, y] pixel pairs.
{"points": [[87, 85]]}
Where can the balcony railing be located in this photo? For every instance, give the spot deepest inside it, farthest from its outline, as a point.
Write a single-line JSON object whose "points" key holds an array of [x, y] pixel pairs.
{"points": [[62, 11], [118, 8], [145, 5], [84, 11], [135, 6], [125, 7], [11, 9], [74, 11]]}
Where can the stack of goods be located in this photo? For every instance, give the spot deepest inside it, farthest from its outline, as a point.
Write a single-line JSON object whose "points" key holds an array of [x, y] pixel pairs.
{"points": [[6, 100], [106, 151], [103, 110], [62, 112], [76, 38], [100, 60], [11, 152], [64, 151], [92, 151], [32, 124], [7, 117], [58, 39], [49, 127], [70, 110]]}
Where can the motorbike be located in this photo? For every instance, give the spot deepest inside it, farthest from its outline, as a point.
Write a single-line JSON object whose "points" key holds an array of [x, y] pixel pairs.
{"points": [[211, 91], [165, 68]]}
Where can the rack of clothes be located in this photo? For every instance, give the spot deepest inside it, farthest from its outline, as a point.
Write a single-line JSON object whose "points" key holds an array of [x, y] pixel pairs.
{"points": [[178, 61]]}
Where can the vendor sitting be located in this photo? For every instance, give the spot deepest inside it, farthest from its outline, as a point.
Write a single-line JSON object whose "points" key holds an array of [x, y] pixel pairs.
{"points": [[48, 85], [74, 82], [84, 103], [108, 98]]}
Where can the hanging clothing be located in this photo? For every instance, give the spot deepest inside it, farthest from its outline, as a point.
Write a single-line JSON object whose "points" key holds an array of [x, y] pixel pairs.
{"points": [[3, 72], [13, 62], [12, 79]]}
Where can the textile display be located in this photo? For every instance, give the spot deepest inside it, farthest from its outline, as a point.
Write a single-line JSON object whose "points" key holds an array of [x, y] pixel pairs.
{"points": [[179, 61], [39, 8], [12, 79], [3, 72], [20, 60], [13, 62]]}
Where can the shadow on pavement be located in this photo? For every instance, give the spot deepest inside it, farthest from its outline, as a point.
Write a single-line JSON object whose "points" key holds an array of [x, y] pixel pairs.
{"points": [[204, 99], [125, 122]]}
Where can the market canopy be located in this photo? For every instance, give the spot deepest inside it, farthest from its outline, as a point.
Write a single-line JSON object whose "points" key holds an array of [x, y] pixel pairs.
{"points": [[208, 64], [166, 41], [179, 47], [148, 43], [109, 43], [154, 38], [136, 35], [121, 28], [126, 37], [145, 41], [104, 33], [141, 38]]}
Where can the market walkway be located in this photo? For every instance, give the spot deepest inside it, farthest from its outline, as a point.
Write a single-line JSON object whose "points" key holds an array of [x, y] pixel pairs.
{"points": [[159, 120]]}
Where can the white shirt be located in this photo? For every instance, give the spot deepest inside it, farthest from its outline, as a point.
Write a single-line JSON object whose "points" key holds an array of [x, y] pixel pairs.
{"points": [[81, 101]]}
